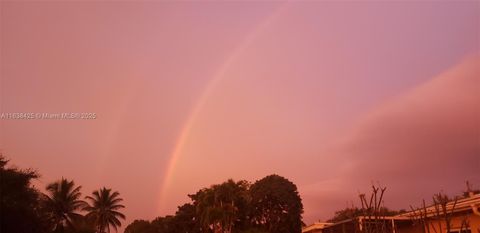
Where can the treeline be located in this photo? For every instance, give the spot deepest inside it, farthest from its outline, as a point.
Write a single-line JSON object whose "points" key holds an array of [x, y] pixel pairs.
{"points": [[24, 209], [352, 212], [270, 205]]}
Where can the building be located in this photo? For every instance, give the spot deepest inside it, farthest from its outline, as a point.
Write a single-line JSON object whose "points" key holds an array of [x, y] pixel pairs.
{"points": [[316, 227], [462, 214]]}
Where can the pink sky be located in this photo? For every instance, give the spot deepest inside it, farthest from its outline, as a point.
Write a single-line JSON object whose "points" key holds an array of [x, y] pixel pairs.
{"points": [[333, 96]]}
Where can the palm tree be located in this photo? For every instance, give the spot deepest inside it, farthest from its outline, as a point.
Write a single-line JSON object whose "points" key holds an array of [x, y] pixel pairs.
{"points": [[104, 209], [62, 203]]}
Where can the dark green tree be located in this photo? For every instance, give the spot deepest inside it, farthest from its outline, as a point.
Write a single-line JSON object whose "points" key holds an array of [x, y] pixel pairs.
{"points": [[20, 211], [271, 205], [352, 212], [276, 205], [347, 213], [104, 209], [222, 207], [165, 224], [63, 203], [140, 226], [186, 219], [81, 225]]}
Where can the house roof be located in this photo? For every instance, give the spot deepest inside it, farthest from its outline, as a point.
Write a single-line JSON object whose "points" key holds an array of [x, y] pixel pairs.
{"points": [[316, 226], [367, 218], [461, 205]]}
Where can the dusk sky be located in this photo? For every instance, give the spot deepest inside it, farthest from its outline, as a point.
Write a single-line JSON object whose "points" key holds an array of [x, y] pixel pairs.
{"points": [[331, 95]]}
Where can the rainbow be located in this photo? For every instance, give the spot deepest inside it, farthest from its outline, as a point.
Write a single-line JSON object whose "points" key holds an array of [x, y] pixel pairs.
{"points": [[177, 151]]}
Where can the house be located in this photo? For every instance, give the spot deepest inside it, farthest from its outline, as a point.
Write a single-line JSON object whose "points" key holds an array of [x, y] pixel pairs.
{"points": [[383, 224], [463, 216]]}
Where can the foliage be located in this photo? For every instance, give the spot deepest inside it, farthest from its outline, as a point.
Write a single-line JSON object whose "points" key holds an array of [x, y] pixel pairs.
{"points": [[81, 225], [20, 211], [344, 214], [103, 209], [277, 206], [234, 207], [63, 203], [186, 219], [140, 226], [23, 209], [352, 212], [222, 207]]}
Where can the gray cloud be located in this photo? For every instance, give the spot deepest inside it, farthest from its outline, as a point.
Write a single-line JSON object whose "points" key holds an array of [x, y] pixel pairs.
{"points": [[417, 144]]}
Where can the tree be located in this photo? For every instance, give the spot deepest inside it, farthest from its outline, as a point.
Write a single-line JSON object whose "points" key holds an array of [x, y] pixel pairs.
{"points": [[62, 203], [140, 226], [103, 209], [206, 210], [347, 213], [222, 207], [276, 205], [20, 211], [352, 212], [186, 219], [440, 202], [271, 205], [165, 224], [441, 213], [81, 225]]}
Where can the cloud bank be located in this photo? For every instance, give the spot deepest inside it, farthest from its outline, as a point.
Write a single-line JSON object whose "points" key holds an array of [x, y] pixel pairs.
{"points": [[416, 144]]}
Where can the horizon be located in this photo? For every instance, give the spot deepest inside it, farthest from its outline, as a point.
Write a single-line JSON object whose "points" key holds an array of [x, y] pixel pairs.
{"points": [[333, 96]]}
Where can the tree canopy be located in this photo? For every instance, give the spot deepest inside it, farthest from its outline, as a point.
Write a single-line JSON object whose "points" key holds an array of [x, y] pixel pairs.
{"points": [[104, 208], [277, 206], [24, 209], [63, 203], [352, 212], [270, 205], [19, 203]]}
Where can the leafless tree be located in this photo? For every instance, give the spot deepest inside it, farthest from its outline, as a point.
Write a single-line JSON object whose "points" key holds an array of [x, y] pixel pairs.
{"points": [[441, 213], [373, 221], [419, 216]]}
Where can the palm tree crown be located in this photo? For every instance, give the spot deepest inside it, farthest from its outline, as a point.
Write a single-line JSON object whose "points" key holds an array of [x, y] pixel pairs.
{"points": [[62, 202], [104, 208]]}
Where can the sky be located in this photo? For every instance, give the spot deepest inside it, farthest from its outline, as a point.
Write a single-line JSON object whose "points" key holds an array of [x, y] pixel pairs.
{"points": [[334, 96]]}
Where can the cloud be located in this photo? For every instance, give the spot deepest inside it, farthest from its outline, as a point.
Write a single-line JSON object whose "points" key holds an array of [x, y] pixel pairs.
{"points": [[419, 143], [436, 125]]}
